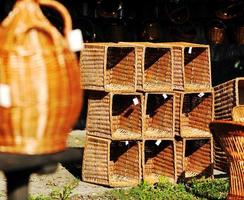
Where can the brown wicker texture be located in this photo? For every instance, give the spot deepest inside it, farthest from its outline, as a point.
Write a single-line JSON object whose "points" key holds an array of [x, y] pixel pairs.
{"points": [[227, 96], [115, 116], [112, 163], [159, 160], [154, 67], [240, 35], [108, 67], [158, 115], [194, 157], [231, 135], [191, 66], [39, 81], [216, 35], [196, 112]]}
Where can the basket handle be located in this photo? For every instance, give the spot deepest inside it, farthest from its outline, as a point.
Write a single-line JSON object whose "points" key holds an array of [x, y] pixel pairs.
{"points": [[63, 12]]}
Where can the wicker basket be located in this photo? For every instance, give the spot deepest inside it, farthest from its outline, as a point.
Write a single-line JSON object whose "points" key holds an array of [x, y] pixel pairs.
{"points": [[39, 81], [159, 159], [196, 112], [112, 163], [194, 157], [154, 67], [115, 116], [158, 115], [191, 66], [227, 96], [231, 135], [108, 67]]}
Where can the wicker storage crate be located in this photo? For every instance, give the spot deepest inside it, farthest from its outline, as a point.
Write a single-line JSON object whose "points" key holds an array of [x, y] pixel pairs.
{"points": [[220, 157], [194, 157], [108, 67], [196, 112], [158, 115], [159, 159], [154, 67], [115, 116], [191, 66], [227, 96], [112, 163], [231, 136]]}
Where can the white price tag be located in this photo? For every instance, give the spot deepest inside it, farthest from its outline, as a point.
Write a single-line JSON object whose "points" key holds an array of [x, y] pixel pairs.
{"points": [[5, 97], [158, 142], [165, 96], [126, 143], [135, 101], [75, 40], [201, 94], [190, 50]]}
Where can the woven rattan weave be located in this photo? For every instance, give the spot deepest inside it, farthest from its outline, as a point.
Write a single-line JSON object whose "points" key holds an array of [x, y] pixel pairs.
{"points": [[194, 157], [191, 66], [108, 67], [159, 159], [40, 95], [112, 163], [193, 115], [159, 115], [231, 135], [115, 116]]}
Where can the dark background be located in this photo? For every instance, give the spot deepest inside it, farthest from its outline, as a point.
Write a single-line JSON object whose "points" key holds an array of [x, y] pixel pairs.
{"points": [[195, 21]]}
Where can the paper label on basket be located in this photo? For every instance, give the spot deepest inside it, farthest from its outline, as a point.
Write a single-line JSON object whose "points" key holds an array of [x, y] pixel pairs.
{"points": [[201, 94], [158, 142], [135, 101], [190, 50], [75, 40], [5, 97], [126, 143], [165, 96]]}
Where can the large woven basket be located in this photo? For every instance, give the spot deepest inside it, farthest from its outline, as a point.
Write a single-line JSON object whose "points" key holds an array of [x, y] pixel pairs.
{"points": [[108, 67], [191, 66], [115, 116], [158, 115], [159, 159], [112, 163], [40, 95], [154, 67], [194, 157], [196, 112], [231, 136], [228, 95]]}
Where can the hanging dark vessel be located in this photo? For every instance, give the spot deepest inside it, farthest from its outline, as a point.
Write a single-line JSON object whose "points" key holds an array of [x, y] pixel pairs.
{"points": [[40, 95]]}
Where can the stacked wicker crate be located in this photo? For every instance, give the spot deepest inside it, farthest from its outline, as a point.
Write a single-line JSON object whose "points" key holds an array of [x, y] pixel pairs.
{"points": [[194, 109], [112, 153], [148, 113]]}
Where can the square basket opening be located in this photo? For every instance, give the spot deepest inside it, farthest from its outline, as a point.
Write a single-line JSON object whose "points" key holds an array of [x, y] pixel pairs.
{"points": [[197, 68], [157, 69], [197, 113], [241, 91], [159, 119], [159, 160], [127, 116], [120, 69], [197, 159], [125, 163]]}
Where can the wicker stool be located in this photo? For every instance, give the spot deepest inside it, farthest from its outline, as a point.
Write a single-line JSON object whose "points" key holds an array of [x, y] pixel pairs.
{"points": [[231, 135]]}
